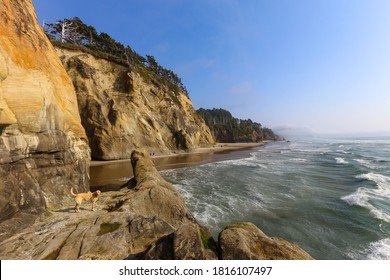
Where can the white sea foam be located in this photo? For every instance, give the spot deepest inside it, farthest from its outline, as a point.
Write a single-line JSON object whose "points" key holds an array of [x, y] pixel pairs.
{"points": [[185, 192], [364, 162], [365, 196], [320, 151], [341, 160], [247, 162], [343, 152], [356, 198], [377, 178], [299, 159], [209, 215], [378, 250], [371, 164]]}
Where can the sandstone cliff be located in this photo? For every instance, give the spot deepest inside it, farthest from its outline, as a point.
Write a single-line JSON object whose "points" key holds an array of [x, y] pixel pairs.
{"points": [[147, 219], [43, 146], [124, 109]]}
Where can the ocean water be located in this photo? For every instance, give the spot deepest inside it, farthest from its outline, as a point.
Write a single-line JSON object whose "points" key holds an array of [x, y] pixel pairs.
{"points": [[331, 197]]}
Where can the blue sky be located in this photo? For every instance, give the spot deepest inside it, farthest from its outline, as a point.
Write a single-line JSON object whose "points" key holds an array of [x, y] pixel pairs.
{"points": [[317, 64]]}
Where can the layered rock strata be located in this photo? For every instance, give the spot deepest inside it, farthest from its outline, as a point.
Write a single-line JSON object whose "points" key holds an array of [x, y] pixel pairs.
{"points": [[147, 219], [124, 109], [43, 146]]}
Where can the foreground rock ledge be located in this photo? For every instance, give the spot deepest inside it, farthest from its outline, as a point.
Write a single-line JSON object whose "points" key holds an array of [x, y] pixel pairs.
{"points": [[147, 219]]}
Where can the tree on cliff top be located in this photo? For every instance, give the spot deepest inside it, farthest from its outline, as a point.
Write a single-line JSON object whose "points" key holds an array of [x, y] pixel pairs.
{"points": [[227, 128], [72, 31], [75, 31]]}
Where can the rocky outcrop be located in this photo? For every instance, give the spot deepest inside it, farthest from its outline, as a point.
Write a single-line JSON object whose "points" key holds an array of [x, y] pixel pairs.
{"points": [[147, 219], [124, 109], [43, 146], [244, 241]]}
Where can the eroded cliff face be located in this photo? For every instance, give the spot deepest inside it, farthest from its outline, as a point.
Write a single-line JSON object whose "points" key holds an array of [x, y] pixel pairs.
{"points": [[124, 109], [43, 146]]}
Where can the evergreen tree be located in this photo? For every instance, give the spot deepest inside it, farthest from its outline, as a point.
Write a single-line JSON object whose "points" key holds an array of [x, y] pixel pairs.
{"points": [[226, 128], [75, 31]]}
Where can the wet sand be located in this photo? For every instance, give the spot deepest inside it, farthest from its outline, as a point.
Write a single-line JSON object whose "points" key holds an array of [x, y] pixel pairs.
{"points": [[112, 174]]}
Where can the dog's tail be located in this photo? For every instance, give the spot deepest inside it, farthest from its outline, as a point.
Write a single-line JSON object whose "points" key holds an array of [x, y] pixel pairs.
{"points": [[71, 191]]}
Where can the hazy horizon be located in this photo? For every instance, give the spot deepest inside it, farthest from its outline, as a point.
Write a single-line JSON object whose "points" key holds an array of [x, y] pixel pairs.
{"points": [[305, 132], [322, 65]]}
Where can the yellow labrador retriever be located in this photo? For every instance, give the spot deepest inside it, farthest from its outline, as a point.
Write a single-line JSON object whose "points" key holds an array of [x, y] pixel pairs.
{"points": [[79, 197]]}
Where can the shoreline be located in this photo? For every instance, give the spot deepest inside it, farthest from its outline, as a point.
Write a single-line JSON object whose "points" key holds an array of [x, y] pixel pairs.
{"points": [[114, 173], [217, 148]]}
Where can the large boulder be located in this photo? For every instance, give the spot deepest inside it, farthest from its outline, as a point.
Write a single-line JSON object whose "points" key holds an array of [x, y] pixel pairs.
{"points": [[245, 241], [43, 146]]}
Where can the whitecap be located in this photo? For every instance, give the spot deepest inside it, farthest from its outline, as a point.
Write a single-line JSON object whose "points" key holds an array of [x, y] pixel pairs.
{"points": [[343, 152], [357, 198], [341, 160], [247, 162], [377, 178], [366, 197], [371, 164], [366, 163], [313, 150], [378, 250], [298, 159]]}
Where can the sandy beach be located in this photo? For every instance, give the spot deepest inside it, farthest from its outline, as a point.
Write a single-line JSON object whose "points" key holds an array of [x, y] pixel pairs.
{"points": [[222, 147], [117, 172], [217, 148]]}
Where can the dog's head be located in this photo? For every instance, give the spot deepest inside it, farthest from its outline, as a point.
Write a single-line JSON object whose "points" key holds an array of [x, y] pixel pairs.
{"points": [[96, 193]]}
